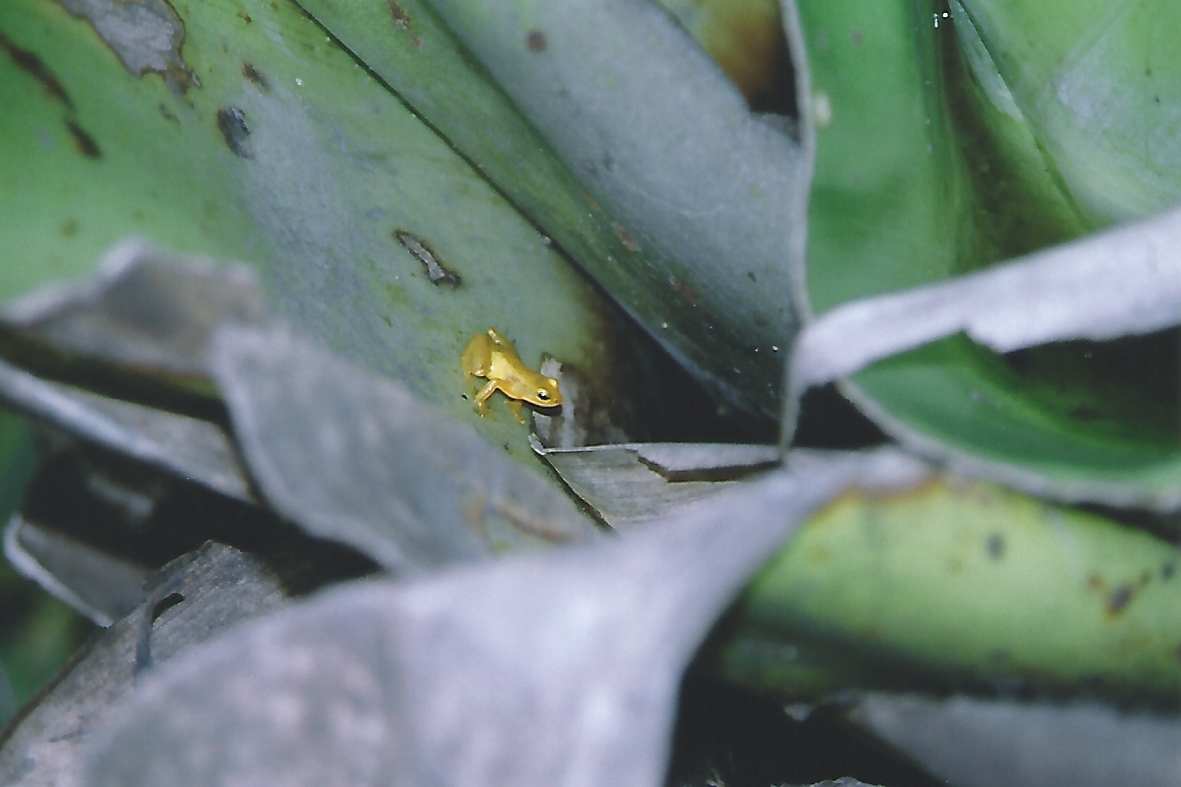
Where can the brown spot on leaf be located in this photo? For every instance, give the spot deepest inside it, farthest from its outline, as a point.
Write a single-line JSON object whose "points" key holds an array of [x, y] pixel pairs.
{"points": [[82, 140], [70, 228], [245, 17], [625, 238], [31, 64], [418, 43], [535, 41], [856, 37], [401, 18], [251, 72], [232, 123], [166, 113]]}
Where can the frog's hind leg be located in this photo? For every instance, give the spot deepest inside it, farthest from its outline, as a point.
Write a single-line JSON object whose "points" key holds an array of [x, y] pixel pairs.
{"points": [[476, 360], [482, 397]]}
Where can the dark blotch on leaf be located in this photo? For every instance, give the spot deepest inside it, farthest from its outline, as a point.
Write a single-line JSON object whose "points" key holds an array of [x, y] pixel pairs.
{"points": [[436, 271], [83, 141], [535, 41], [996, 546], [1119, 599], [254, 75], [232, 124], [1168, 569], [401, 18], [31, 64]]}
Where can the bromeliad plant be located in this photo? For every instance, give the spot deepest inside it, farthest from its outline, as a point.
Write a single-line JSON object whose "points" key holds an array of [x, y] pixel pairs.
{"points": [[915, 201]]}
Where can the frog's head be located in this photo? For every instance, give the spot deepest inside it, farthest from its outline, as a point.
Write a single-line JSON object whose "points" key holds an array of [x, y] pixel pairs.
{"points": [[546, 393]]}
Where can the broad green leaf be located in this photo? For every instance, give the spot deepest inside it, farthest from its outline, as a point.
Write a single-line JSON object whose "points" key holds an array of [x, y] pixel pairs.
{"points": [[956, 584], [921, 176], [286, 153], [683, 205], [1098, 83]]}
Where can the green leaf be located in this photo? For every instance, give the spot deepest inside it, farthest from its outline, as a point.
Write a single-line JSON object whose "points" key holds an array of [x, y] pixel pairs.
{"points": [[925, 171], [1099, 88], [283, 152], [687, 209], [963, 584]]}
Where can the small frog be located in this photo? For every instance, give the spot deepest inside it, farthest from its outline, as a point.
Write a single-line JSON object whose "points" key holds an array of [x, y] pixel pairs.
{"points": [[492, 356]]}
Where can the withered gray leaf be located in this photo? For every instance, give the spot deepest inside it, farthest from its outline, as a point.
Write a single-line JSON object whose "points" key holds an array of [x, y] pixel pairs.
{"points": [[147, 308], [999, 743], [101, 585], [622, 489], [355, 458], [1119, 282], [216, 587], [191, 448], [631, 484], [553, 669]]}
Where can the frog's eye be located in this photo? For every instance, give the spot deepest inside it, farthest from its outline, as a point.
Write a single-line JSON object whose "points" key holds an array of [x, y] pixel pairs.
{"points": [[543, 394]]}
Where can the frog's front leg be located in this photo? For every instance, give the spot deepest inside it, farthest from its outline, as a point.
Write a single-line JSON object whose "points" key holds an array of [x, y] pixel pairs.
{"points": [[515, 406], [482, 397]]}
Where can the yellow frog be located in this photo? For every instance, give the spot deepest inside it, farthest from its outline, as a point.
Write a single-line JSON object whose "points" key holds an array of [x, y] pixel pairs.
{"points": [[492, 356]]}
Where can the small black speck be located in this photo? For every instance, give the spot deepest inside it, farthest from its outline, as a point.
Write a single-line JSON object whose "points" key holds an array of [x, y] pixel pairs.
{"points": [[232, 124], [386, 320], [751, 275], [166, 113], [996, 546], [83, 141], [536, 41], [464, 397], [1168, 569]]}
